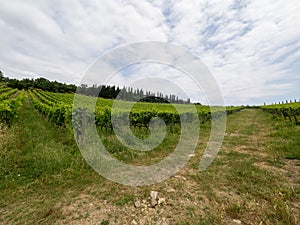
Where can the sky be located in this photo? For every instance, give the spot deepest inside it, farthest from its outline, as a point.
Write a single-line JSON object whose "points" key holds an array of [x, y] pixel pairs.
{"points": [[251, 47]]}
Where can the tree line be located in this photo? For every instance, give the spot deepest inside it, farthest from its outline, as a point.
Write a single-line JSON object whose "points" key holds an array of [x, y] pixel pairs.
{"points": [[130, 94], [104, 91], [38, 83], [284, 102]]}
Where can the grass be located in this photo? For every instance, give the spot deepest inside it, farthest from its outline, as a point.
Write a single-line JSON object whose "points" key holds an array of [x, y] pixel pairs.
{"points": [[130, 156], [38, 165], [286, 141], [45, 180], [236, 182], [125, 199]]}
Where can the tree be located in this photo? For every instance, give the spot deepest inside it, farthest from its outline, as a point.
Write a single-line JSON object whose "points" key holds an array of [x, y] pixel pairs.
{"points": [[1, 76]]}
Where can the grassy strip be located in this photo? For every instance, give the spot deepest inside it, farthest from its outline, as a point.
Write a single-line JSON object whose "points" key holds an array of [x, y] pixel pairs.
{"points": [[39, 164], [44, 172]]}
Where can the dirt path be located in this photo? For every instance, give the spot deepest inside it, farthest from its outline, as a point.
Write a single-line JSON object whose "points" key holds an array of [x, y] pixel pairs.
{"points": [[250, 181], [240, 187]]}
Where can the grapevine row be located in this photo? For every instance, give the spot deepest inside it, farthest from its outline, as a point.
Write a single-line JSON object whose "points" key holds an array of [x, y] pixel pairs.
{"points": [[7, 94], [47, 96], [290, 111], [60, 112], [9, 108], [2, 90]]}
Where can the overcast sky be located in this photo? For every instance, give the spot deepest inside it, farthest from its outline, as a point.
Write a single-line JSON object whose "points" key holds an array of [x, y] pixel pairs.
{"points": [[251, 47]]}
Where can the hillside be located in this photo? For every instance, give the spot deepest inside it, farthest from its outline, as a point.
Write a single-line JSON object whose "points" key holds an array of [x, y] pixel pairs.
{"points": [[253, 180]]}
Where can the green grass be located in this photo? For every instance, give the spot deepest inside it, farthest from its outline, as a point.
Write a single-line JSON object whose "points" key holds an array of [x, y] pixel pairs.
{"points": [[125, 154], [38, 165], [285, 142], [42, 172], [125, 199], [235, 176]]}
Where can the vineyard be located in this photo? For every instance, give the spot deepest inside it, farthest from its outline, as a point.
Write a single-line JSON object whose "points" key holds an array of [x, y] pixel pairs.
{"points": [[10, 104], [288, 110], [58, 108], [45, 180]]}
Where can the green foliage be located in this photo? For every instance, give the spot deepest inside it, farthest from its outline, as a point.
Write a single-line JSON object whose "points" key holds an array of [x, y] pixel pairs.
{"points": [[40, 83], [59, 114], [125, 199], [2, 90], [44, 179], [9, 107], [57, 107], [289, 111], [105, 222], [7, 94]]}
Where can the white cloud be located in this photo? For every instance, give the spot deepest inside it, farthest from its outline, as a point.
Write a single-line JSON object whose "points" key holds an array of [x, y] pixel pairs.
{"points": [[246, 46], [252, 46]]}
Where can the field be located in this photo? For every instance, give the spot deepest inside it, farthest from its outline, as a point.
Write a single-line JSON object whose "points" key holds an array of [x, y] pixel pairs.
{"points": [[45, 180]]}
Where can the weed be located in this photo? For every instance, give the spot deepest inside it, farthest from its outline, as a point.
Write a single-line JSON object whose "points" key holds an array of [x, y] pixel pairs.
{"points": [[125, 199]]}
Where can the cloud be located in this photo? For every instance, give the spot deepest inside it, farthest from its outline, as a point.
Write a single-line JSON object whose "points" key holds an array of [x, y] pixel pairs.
{"points": [[252, 47], [246, 45], [45, 37]]}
